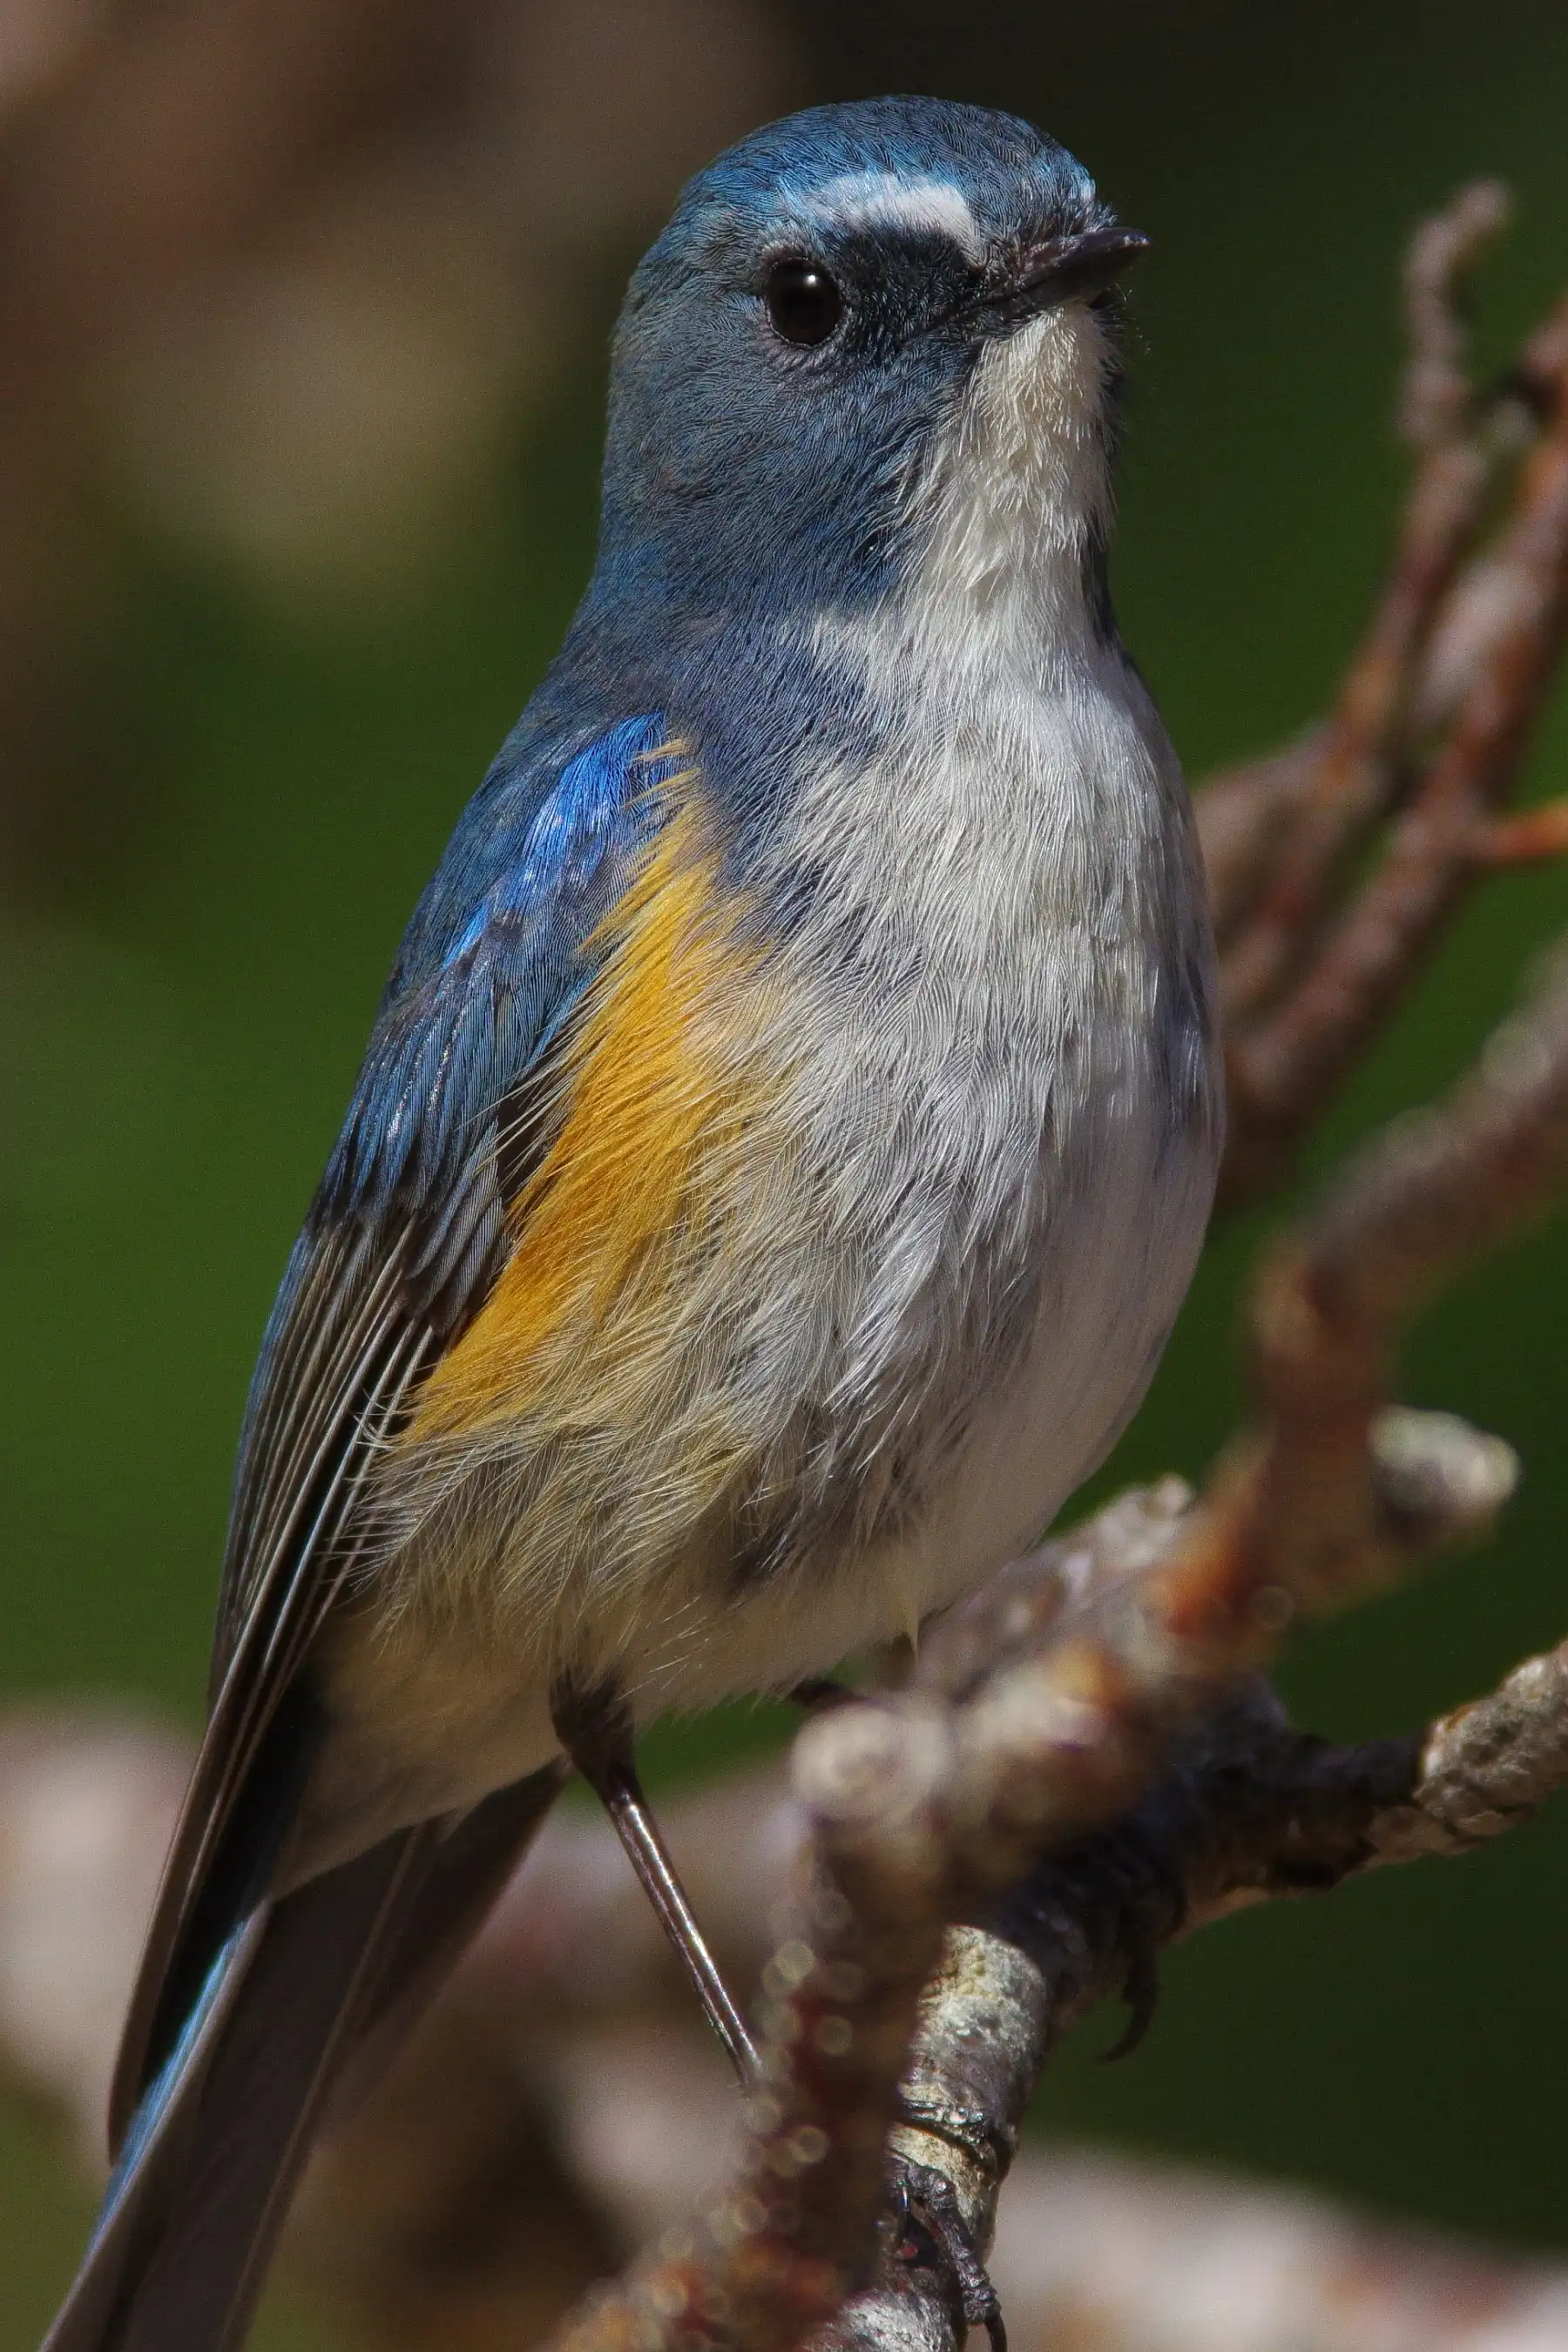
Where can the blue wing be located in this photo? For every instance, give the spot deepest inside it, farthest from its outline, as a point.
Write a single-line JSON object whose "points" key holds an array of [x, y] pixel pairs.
{"points": [[405, 1235]]}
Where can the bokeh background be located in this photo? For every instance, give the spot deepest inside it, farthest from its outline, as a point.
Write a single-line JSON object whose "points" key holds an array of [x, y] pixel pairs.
{"points": [[302, 317]]}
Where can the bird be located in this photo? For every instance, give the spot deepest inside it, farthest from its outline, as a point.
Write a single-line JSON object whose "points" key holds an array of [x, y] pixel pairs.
{"points": [[783, 1145]]}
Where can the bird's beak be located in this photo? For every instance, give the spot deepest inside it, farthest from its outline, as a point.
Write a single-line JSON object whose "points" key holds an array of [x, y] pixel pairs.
{"points": [[1065, 269]]}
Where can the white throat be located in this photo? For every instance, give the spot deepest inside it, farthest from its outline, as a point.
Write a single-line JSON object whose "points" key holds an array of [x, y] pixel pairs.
{"points": [[1017, 498]]}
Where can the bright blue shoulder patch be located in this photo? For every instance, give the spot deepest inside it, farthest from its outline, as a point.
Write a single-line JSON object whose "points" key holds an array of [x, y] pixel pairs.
{"points": [[494, 961], [576, 826]]}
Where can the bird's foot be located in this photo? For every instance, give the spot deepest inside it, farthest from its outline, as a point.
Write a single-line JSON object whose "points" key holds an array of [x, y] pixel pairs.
{"points": [[930, 2232]]}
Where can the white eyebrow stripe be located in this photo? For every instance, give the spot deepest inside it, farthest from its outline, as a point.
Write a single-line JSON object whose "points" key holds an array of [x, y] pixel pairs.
{"points": [[894, 200]]}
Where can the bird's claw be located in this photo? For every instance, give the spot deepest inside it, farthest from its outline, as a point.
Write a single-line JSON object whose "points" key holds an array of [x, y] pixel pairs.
{"points": [[930, 2232]]}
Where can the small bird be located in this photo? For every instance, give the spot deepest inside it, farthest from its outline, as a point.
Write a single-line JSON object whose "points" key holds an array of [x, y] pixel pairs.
{"points": [[783, 1148]]}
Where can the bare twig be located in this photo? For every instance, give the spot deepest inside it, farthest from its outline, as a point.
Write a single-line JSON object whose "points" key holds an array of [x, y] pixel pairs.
{"points": [[1352, 767], [1426, 738]]}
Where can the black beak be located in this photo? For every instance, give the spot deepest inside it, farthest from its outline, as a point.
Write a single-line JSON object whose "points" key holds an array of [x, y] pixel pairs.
{"points": [[1065, 269]]}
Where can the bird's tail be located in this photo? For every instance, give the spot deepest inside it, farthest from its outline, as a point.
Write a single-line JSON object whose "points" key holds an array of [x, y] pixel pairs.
{"points": [[302, 1985]]}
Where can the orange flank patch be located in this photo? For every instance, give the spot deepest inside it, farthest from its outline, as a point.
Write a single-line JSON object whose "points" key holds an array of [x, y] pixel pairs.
{"points": [[646, 1085]]}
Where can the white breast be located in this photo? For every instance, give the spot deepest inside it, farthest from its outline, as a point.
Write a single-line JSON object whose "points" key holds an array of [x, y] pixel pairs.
{"points": [[1008, 1100]]}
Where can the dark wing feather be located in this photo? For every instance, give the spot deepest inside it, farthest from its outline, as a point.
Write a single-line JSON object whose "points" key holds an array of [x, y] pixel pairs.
{"points": [[300, 2008], [403, 1243]]}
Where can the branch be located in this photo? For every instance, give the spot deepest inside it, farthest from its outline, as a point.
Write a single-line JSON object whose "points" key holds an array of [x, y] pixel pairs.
{"points": [[1427, 735], [923, 1805]]}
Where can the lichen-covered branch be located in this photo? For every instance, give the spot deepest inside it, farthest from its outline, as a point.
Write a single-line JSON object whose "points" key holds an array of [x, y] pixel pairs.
{"points": [[1250, 1811]]}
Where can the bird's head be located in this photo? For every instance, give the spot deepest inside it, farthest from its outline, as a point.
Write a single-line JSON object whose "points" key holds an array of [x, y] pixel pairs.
{"points": [[857, 320]]}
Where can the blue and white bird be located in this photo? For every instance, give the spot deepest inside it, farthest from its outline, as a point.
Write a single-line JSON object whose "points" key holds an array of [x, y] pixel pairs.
{"points": [[783, 1145]]}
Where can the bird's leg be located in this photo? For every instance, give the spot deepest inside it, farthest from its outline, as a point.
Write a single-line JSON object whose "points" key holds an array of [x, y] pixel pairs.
{"points": [[925, 2220], [595, 1728]]}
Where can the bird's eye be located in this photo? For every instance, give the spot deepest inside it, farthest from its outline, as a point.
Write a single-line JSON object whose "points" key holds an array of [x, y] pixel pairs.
{"points": [[803, 302]]}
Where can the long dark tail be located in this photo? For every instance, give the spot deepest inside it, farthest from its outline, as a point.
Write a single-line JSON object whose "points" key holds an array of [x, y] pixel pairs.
{"points": [[331, 1973]]}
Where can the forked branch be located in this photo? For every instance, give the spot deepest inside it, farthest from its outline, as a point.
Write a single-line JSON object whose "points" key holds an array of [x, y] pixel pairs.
{"points": [[1337, 864]]}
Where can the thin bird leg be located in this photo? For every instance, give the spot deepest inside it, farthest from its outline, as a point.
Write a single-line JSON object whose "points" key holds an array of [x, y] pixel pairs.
{"points": [[595, 1729]]}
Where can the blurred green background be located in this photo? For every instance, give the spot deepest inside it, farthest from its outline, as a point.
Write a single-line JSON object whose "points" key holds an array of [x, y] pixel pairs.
{"points": [[288, 533]]}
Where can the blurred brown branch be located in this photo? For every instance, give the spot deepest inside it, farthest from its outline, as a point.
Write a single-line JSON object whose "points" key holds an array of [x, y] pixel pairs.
{"points": [[1336, 863], [562, 2106], [1084, 1762], [556, 2104]]}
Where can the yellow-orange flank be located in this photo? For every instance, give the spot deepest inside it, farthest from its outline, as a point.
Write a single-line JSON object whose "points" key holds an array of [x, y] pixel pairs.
{"points": [[642, 1085]]}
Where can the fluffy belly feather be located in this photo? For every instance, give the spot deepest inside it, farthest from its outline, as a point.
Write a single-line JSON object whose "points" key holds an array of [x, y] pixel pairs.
{"points": [[910, 1280], [908, 1503]]}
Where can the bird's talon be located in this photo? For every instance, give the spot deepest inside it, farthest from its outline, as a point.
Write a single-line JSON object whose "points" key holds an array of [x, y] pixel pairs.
{"points": [[927, 2199]]}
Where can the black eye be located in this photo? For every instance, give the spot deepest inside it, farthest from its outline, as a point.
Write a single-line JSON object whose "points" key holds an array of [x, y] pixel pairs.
{"points": [[804, 303]]}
